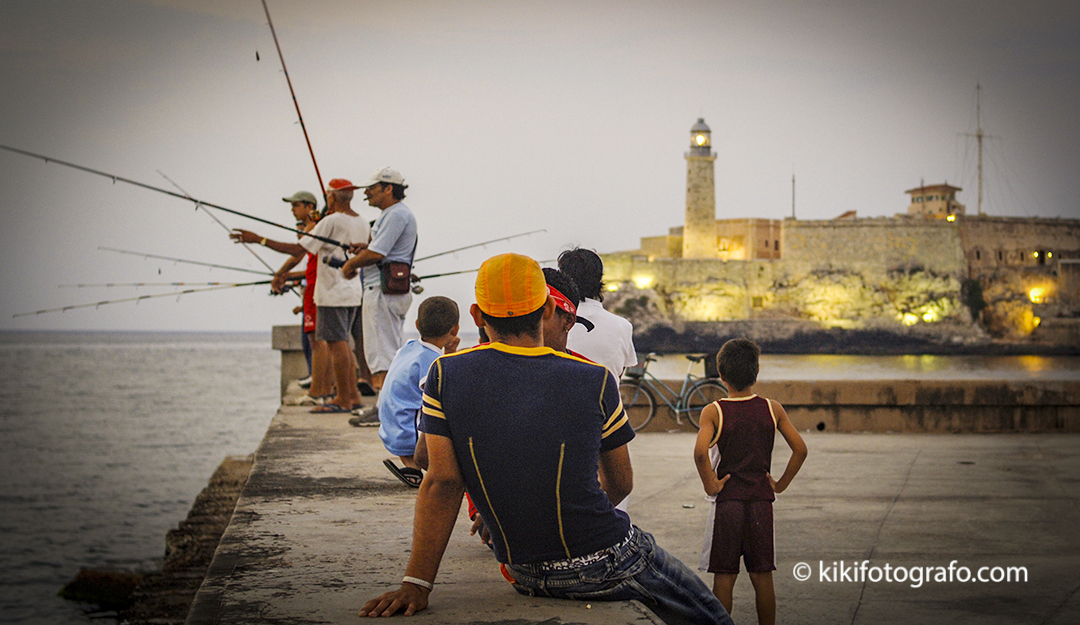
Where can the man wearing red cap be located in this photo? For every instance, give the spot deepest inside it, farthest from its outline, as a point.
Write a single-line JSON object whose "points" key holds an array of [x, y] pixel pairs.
{"points": [[337, 299], [525, 429]]}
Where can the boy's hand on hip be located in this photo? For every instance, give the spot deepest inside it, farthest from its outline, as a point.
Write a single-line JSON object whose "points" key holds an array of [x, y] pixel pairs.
{"points": [[717, 485]]}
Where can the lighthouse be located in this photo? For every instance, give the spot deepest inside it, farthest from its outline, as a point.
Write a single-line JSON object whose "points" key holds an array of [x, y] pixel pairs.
{"points": [[699, 232]]}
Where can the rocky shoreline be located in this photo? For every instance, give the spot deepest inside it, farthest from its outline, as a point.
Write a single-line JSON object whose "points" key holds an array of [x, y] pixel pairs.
{"points": [[164, 597]]}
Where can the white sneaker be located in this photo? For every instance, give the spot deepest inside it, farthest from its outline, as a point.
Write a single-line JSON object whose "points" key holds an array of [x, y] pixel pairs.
{"points": [[304, 382]]}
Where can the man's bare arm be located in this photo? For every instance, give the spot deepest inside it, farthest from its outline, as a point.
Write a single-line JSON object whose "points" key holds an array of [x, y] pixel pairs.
{"points": [[246, 236], [616, 473], [437, 507]]}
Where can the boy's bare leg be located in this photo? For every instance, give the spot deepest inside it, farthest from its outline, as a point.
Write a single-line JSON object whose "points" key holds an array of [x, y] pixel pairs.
{"points": [[722, 586], [765, 597]]}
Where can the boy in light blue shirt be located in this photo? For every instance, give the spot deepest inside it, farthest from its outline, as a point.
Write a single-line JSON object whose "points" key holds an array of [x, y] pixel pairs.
{"points": [[401, 396]]}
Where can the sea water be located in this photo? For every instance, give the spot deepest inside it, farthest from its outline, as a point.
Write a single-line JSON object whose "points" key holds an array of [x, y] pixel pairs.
{"points": [[105, 440]]}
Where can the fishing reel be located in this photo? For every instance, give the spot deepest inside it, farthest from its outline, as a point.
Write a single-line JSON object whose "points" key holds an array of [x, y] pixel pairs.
{"points": [[336, 263], [417, 289]]}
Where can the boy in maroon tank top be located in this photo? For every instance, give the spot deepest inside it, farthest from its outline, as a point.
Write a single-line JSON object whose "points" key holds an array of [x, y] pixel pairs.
{"points": [[733, 454]]}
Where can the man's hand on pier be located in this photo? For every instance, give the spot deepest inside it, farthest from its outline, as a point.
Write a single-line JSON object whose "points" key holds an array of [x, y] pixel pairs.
{"points": [[411, 597]]}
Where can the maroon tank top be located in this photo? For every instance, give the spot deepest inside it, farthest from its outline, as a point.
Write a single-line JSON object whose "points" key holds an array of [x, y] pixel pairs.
{"points": [[744, 447]]}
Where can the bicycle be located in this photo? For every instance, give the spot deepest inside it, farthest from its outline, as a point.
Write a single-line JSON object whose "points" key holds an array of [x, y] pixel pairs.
{"points": [[639, 389]]}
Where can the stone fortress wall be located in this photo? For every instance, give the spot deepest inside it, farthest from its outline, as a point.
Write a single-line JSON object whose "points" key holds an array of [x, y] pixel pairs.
{"points": [[961, 282]]}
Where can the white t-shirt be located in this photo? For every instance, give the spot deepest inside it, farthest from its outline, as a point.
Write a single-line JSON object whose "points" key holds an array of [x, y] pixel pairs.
{"points": [[331, 288], [610, 342]]}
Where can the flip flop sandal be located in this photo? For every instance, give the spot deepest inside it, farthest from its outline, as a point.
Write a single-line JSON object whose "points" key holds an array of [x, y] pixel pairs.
{"points": [[408, 475], [329, 409]]}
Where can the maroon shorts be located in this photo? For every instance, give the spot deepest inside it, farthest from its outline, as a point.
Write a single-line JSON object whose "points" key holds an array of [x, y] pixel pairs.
{"points": [[742, 528]]}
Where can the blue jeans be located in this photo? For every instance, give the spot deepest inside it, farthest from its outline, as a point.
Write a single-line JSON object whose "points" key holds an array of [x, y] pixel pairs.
{"points": [[636, 569]]}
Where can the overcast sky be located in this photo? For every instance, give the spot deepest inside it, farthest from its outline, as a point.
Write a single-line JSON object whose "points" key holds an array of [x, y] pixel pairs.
{"points": [[503, 117]]}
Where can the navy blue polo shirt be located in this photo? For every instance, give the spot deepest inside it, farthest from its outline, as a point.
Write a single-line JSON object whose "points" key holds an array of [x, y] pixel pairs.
{"points": [[527, 426]]}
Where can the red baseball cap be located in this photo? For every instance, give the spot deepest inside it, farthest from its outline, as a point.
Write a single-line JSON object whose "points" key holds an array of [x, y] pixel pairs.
{"points": [[341, 184]]}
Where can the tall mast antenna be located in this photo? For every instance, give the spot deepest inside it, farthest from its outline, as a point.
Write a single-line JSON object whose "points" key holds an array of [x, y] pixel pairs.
{"points": [[978, 140]]}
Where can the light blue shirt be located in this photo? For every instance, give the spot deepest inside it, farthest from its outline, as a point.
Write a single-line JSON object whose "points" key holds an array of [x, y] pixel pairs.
{"points": [[401, 397], [394, 236]]}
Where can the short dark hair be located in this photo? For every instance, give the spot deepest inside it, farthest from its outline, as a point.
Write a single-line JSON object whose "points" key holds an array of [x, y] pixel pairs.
{"points": [[737, 363], [563, 284], [398, 190], [436, 317], [524, 325], [586, 269]]}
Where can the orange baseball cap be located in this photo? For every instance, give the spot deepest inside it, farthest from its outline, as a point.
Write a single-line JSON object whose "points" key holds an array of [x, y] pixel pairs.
{"points": [[510, 285]]}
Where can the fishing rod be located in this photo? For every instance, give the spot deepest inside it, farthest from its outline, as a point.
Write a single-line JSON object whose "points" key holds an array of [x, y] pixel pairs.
{"points": [[115, 178], [469, 247], [416, 288], [178, 294], [215, 218], [181, 260], [455, 273], [296, 103], [141, 284], [222, 224]]}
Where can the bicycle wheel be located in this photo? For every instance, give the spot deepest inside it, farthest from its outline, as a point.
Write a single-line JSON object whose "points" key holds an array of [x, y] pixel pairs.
{"points": [[700, 395], [639, 403]]}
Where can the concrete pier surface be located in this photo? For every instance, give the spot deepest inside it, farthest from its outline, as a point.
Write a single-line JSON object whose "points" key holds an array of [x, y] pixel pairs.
{"points": [[322, 526]]}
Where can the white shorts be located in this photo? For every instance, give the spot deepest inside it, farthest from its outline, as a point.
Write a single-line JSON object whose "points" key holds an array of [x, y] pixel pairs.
{"points": [[384, 320]]}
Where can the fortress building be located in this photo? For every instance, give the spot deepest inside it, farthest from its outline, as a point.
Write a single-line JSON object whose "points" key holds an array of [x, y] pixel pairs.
{"points": [[931, 274]]}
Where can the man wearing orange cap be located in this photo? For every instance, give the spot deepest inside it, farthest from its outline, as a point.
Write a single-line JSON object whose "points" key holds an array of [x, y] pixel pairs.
{"points": [[337, 299], [524, 429]]}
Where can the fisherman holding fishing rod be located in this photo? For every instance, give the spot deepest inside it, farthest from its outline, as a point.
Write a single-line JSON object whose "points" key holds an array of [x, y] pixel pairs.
{"points": [[386, 282], [304, 207], [337, 300]]}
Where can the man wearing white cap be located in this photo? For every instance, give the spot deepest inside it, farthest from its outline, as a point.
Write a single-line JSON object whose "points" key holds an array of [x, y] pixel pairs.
{"points": [[386, 290]]}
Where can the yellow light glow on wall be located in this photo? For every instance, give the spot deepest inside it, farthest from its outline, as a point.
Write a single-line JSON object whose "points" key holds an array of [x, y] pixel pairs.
{"points": [[909, 319], [643, 282], [951, 218], [1037, 295], [931, 316]]}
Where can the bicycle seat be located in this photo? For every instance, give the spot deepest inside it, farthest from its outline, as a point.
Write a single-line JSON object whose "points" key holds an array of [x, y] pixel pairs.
{"points": [[696, 357]]}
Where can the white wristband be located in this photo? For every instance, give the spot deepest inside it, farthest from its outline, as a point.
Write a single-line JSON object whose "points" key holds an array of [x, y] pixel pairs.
{"points": [[417, 581]]}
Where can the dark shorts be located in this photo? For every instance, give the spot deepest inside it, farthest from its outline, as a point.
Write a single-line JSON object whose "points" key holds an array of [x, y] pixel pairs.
{"points": [[336, 323], [742, 528]]}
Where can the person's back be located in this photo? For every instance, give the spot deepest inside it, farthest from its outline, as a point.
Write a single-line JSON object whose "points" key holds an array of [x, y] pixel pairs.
{"points": [[733, 454], [401, 398], [743, 448], [604, 337], [532, 465]]}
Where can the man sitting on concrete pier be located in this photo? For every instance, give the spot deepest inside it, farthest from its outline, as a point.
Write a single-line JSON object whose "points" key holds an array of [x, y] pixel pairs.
{"points": [[525, 429]]}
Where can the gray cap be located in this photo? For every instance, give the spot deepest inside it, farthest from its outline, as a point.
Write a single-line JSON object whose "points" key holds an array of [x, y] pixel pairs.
{"points": [[302, 196]]}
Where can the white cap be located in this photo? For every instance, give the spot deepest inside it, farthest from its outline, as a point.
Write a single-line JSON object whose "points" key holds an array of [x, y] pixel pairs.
{"points": [[383, 175]]}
